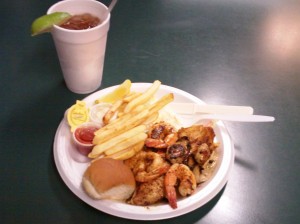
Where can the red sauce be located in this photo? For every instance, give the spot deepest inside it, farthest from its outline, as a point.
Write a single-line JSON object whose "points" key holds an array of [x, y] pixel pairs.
{"points": [[81, 22], [85, 135]]}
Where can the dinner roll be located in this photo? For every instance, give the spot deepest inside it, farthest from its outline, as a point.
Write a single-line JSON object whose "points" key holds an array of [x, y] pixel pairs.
{"points": [[107, 178]]}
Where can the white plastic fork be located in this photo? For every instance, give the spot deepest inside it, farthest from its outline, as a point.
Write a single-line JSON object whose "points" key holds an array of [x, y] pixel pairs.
{"points": [[193, 108]]}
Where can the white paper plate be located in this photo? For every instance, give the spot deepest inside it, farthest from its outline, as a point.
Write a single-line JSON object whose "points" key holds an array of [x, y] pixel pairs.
{"points": [[71, 167]]}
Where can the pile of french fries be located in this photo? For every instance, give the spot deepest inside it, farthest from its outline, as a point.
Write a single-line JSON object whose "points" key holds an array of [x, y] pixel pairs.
{"points": [[126, 123]]}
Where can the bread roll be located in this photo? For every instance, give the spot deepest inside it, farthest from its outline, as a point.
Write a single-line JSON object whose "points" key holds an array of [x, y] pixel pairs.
{"points": [[108, 179]]}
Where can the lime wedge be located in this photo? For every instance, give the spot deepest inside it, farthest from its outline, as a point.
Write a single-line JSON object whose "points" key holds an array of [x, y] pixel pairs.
{"points": [[44, 23]]}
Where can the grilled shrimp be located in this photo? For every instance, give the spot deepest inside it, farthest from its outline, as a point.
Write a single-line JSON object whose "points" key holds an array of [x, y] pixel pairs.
{"points": [[202, 154], [178, 152], [148, 193], [205, 171], [197, 135], [161, 135], [147, 166], [187, 182]]}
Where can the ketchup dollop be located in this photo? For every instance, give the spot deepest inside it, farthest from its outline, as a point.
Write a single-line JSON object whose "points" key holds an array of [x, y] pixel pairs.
{"points": [[85, 135]]}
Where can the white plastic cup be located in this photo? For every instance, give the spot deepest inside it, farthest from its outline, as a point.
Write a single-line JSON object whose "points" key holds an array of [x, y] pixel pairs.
{"points": [[81, 53]]}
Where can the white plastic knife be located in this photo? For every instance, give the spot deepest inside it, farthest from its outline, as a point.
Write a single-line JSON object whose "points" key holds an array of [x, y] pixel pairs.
{"points": [[192, 108], [233, 117]]}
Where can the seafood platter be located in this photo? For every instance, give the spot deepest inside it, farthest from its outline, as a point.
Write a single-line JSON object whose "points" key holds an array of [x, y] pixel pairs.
{"points": [[123, 151]]}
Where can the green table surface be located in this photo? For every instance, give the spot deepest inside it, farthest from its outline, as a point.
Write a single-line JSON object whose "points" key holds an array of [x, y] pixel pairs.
{"points": [[235, 52]]}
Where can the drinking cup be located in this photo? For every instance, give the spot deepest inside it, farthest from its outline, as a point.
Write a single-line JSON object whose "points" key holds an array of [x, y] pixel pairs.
{"points": [[81, 53]]}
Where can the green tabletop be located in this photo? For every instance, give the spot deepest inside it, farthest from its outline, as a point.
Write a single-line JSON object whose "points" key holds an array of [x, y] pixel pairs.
{"points": [[235, 52]]}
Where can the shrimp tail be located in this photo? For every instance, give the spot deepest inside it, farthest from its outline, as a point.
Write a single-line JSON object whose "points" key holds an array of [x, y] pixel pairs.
{"points": [[170, 182], [171, 196]]}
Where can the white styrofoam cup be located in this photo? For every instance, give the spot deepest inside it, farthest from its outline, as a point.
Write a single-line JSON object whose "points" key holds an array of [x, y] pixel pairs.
{"points": [[81, 53]]}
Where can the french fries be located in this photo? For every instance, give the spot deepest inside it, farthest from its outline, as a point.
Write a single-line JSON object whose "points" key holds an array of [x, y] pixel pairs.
{"points": [[128, 152], [131, 96], [124, 136], [146, 96], [112, 143], [151, 119], [127, 143], [168, 98], [103, 135], [111, 112]]}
